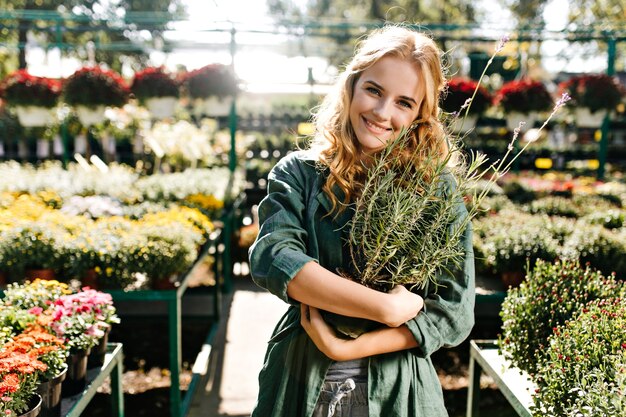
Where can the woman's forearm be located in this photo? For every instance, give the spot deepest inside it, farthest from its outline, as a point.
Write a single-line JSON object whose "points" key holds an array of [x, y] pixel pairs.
{"points": [[378, 342], [318, 287]]}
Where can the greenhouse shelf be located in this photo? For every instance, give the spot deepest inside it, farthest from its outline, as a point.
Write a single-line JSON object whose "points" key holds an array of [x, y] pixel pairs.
{"points": [[173, 299], [514, 385], [113, 363]]}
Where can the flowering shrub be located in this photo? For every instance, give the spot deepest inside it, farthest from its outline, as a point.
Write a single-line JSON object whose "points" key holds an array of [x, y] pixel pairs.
{"points": [[510, 239], [524, 96], [22, 89], [459, 91], [584, 375], [210, 80], [93, 86], [154, 82], [603, 249], [594, 91], [609, 219], [39, 293], [552, 294]]}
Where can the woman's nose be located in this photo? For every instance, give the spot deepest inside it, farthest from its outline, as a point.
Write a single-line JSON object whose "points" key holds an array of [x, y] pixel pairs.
{"points": [[382, 109]]}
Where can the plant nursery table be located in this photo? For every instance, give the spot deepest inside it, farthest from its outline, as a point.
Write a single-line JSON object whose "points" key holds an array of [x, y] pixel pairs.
{"points": [[113, 363], [179, 406], [514, 385]]}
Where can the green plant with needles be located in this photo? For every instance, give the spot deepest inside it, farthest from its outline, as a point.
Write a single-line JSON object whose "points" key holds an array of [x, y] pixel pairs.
{"points": [[406, 228]]}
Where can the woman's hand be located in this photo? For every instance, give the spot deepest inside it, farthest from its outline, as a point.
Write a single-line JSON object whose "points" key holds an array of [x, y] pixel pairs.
{"points": [[376, 342], [403, 306], [323, 335]]}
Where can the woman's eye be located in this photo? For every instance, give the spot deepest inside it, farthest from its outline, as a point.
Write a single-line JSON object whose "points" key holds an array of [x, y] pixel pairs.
{"points": [[406, 104], [373, 90]]}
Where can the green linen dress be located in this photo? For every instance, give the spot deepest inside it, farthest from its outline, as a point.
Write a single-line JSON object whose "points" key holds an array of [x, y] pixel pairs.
{"points": [[293, 232]]}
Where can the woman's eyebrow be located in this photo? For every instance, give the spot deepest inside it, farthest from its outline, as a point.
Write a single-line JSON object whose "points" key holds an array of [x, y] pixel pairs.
{"points": [[380, 87]]}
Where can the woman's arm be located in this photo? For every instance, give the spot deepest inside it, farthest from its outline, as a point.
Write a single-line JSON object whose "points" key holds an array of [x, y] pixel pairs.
{"points": [[376, 342], [316, 286]]}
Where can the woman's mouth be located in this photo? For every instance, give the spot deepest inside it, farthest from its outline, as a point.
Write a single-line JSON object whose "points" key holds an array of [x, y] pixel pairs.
{"points": [[375, 127]]}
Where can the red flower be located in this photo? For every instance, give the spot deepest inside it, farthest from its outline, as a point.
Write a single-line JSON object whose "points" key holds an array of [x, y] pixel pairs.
{"points": [[9, 384], [154, 82], [594, 91], [524, 96], [459, 91], [22, 88]]}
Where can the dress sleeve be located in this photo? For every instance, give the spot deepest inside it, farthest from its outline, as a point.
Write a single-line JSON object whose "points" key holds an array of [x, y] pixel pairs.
{"points": [[280, 250], [448, 314]]}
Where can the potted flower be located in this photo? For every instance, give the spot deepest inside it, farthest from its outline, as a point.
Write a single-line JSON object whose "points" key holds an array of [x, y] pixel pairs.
{"points": [[101, 304], [593, 96], [31, 96], [79, 326], [19, 370], [521, 101], [51, 351], [157, 90], [91, 89], [459, 98], [212, 88]]}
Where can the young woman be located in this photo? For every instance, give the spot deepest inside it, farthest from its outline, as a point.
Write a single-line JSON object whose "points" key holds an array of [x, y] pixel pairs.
{"points": [[393, 82]]}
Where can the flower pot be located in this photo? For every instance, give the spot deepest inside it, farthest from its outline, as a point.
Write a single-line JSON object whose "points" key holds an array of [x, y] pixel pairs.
{"points": [[50, 391], [76, 373], [34, 116], [584, 117], [34, 407], [98, 352], [161, 107], [90, 115], [90, 279], [512, 278], [213, 106], [46, 274], [168, 283], [462, 125], [513, 120]]}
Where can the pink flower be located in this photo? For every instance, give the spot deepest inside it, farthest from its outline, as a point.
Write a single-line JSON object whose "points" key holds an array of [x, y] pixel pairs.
{"points": [[36, 310]]}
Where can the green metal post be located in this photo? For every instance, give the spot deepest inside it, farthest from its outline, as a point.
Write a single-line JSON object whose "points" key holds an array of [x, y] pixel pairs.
{"points": [[65, 140], [174, 313], [604, 140], [117, 393], [232, 119], [227, 265]]}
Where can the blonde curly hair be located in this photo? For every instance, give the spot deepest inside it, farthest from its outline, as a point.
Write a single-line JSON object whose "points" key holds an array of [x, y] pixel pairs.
{"points": [[335, 141]]}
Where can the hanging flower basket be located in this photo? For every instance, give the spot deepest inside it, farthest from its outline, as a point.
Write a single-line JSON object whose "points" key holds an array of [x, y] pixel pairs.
{"points": [[211, 89], [521, 101], [459, 91], [594, 92], [585, 118], [89, 116], [34, 116], [157, 90], [161, 107], [94, 88], [23, 89]]}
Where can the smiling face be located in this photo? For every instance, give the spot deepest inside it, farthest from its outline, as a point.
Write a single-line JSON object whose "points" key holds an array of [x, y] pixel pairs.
{"points": [[386, 98]]}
